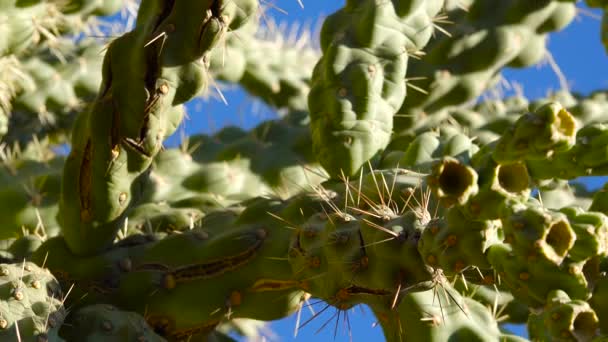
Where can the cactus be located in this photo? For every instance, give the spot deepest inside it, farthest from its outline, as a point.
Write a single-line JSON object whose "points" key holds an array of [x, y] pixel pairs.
{"points": [[446, 217], [161, 78], [357, 84], [564, 319], [32, 307], [26, 24], [32, 177], [57, 88], [459, 67], [274, 70], [102, 322]]}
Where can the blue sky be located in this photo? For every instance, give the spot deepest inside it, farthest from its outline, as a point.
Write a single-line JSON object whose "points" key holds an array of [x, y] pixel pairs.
{"points": [[577, 50]]}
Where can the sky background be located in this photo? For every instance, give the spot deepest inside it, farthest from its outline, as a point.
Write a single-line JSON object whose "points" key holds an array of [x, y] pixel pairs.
{"points": [[577, 50]]}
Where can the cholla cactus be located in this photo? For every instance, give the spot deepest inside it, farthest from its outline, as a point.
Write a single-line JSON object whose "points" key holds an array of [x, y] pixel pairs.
{"points": [[380, 183]]}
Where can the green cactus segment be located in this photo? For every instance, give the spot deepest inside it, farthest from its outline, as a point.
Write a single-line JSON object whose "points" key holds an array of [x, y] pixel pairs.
{"points": [[550, 129], [13, 78], [506, 308], [441, 314], [267, 65], [357, 86], [591, 230], [456, 242], [548, 141], [239, 254], [26, 24], [418, 152], [547, 250], [586, 158], [277, 152], [212, 184], [273, 158], [16, 250], [586, 109], [488, 120], [484, 39], [237, 259], [146, 76], [599, 302], [32, 307], [92, 279], [532, 282], [95, 7], [102, 322], [237, 13], [3, 122], [538, 234], [367, 251], [563, 319], [424, 151], [56, 88], [499, 184], [556, 194], [352, 250], [603, 5], [444, 157], [600, 200], [542, 248], [208, 172], [153, 217], [441, 237], [31, 181], [597, 3]]}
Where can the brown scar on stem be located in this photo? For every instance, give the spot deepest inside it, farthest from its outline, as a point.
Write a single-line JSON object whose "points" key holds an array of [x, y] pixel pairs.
{"points": [[205, 270], [84, 183], [264, 285], [216, 267]]}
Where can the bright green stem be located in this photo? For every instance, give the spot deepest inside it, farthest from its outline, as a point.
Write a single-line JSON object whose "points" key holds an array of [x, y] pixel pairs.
{"points": [[563, 319], [102, 322], [357, 86], [268, 65], [256, 260], [31, 181], [54, 90], [32, 307], [147, 74], [273, 158], [460, 66], [439, 314]]}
